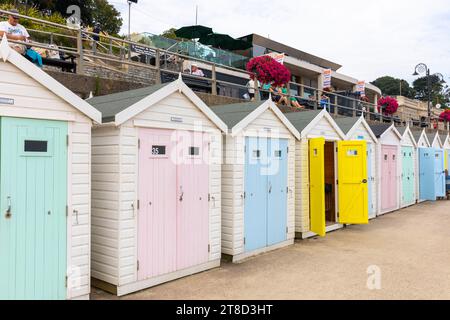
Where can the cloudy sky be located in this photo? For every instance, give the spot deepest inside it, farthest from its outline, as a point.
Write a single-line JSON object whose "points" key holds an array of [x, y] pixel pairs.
{"points": [[369, 38]]}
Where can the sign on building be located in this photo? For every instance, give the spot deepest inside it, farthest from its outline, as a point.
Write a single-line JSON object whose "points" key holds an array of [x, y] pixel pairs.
{"points": [[326, 78]]}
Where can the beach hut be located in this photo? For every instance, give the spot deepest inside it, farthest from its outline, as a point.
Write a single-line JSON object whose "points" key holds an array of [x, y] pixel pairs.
{"points": [[445, 140], [389, 166], [258, 175], [409, 167], [439, 168], [422, 184], [426, 167], [358, 129], [45, 184], [156, 187], [331, 176]]}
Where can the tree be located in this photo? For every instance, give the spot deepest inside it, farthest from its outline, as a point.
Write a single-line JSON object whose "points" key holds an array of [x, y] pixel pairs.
{"points": [[392, 86], [170, 34], [439, 93], [92, 11]]}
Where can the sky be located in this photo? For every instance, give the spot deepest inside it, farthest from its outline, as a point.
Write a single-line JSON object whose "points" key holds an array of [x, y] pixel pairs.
{"points": [[369, 38]]}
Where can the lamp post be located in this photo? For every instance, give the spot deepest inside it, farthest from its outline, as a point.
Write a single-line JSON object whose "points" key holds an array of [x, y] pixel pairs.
{"points": [[129, 17], [422, 68]]}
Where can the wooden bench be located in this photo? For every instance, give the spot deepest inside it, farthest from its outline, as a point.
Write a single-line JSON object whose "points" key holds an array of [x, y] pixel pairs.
{"points": [[62, 63]]}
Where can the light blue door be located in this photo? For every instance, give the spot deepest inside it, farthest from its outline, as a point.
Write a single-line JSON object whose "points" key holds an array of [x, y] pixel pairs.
{"points": [[278, 192], [33, 191], [427, 184], [256, 183], [439, 173]]}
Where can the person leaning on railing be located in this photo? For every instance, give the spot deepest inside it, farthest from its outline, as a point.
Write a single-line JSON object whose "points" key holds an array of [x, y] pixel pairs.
{"points": [[14, 31]]}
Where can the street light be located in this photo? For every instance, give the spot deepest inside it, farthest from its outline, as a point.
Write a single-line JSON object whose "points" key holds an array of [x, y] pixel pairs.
{"points": [[423, 68], [129, 17]]}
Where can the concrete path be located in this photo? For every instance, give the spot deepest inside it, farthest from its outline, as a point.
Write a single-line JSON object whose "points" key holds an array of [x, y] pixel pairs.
{"points": [[410, 248]]}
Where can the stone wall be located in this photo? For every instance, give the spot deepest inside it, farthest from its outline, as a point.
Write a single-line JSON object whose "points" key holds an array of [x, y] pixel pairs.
{"points": [[110, 83]]}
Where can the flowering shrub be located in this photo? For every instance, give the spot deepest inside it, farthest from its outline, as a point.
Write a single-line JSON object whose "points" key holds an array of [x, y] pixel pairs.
{"points": [[387, 105], [268, 70], [445, 116]]}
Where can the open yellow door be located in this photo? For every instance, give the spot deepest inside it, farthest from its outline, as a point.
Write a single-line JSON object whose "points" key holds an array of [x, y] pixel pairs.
{"points": [[353, 187], [317, 185]]}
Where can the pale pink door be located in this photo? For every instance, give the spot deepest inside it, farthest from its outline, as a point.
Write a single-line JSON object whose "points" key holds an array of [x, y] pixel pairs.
{"points": [[157, 219], [388, 178], [192, 193]]}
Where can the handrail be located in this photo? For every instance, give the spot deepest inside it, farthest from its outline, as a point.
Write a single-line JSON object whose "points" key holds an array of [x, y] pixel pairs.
{"points": [[124, 45]]}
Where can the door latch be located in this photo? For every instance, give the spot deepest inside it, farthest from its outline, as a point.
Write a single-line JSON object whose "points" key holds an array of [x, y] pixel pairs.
{"points": [[8, 211], [182, 193]]}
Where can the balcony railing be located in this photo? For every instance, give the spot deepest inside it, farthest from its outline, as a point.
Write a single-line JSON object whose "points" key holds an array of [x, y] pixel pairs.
{"points": [[165, 57]]}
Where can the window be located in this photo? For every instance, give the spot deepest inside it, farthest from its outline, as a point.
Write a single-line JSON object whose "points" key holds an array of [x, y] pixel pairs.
{"points": [[385, 157], [277, 154], [158, 150], [316, 152], [256, 154], [352, 153], [194, 151], [35, 146], [393, 157]]}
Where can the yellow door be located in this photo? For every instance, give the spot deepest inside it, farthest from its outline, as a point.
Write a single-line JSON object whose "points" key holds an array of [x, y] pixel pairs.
{"points": [[317, 185], [353, 184]]}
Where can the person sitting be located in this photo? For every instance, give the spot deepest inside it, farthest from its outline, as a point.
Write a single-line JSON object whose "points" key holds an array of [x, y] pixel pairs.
{"points": [[266, 88], [14, 31], [196, 71], [283, 94]]}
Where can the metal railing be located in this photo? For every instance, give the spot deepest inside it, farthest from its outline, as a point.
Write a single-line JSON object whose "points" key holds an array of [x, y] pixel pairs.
{"points": [[116, 53]]}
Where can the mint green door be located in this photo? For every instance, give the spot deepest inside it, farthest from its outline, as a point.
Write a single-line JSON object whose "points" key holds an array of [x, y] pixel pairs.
{"points": [[408, 177], [33, 191]]}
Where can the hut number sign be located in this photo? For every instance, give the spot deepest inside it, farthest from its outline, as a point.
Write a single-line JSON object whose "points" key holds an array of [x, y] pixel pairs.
{"points": [[158, 150], [6, 101]]}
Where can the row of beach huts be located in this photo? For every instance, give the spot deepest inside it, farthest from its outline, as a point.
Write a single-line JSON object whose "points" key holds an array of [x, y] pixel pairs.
{"points": [[142, 187]]}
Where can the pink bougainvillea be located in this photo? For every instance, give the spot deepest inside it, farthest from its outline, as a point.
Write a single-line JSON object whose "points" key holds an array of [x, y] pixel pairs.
{"points": [[268, 70], [387, 105], [445, 116]]}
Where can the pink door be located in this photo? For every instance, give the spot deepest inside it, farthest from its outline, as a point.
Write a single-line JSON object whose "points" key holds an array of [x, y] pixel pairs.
{"points": [[157, 220], [389, 189], [192, 194]]}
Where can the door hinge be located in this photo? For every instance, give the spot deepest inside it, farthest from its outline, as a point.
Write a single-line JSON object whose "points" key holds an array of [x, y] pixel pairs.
{"points": [[209, 248], [245, 149], [287, 190], [67, 140], [67, 210], [287, 150], [245, 195], [139, 143], [209, 197], [337, 182], [67, 280], [244, 241], [287, 229], [138, 204], [137, 265]]}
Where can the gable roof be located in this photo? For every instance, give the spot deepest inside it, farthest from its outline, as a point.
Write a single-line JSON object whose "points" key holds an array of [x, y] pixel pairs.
{"points": [[432, 136], [406, 131], [112, 104], [232, 114], [121, 107], [445, 139], [350, 124], [346, 123], [12, 56], [418, 135], [380, 129], [305, 121], [239, 115]]}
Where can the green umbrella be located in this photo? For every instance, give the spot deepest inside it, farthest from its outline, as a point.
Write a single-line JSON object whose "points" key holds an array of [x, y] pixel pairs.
{"points": [[193, 32], [224, 41]]}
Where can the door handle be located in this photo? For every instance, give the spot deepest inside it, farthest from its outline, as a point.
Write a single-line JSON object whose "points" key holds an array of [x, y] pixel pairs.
{"points": [[270, 187], [8, 211], [364, 181], [182, 193]]}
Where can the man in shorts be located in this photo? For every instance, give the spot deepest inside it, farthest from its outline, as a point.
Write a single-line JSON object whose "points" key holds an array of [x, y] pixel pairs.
{"points": [[14, 31]]}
